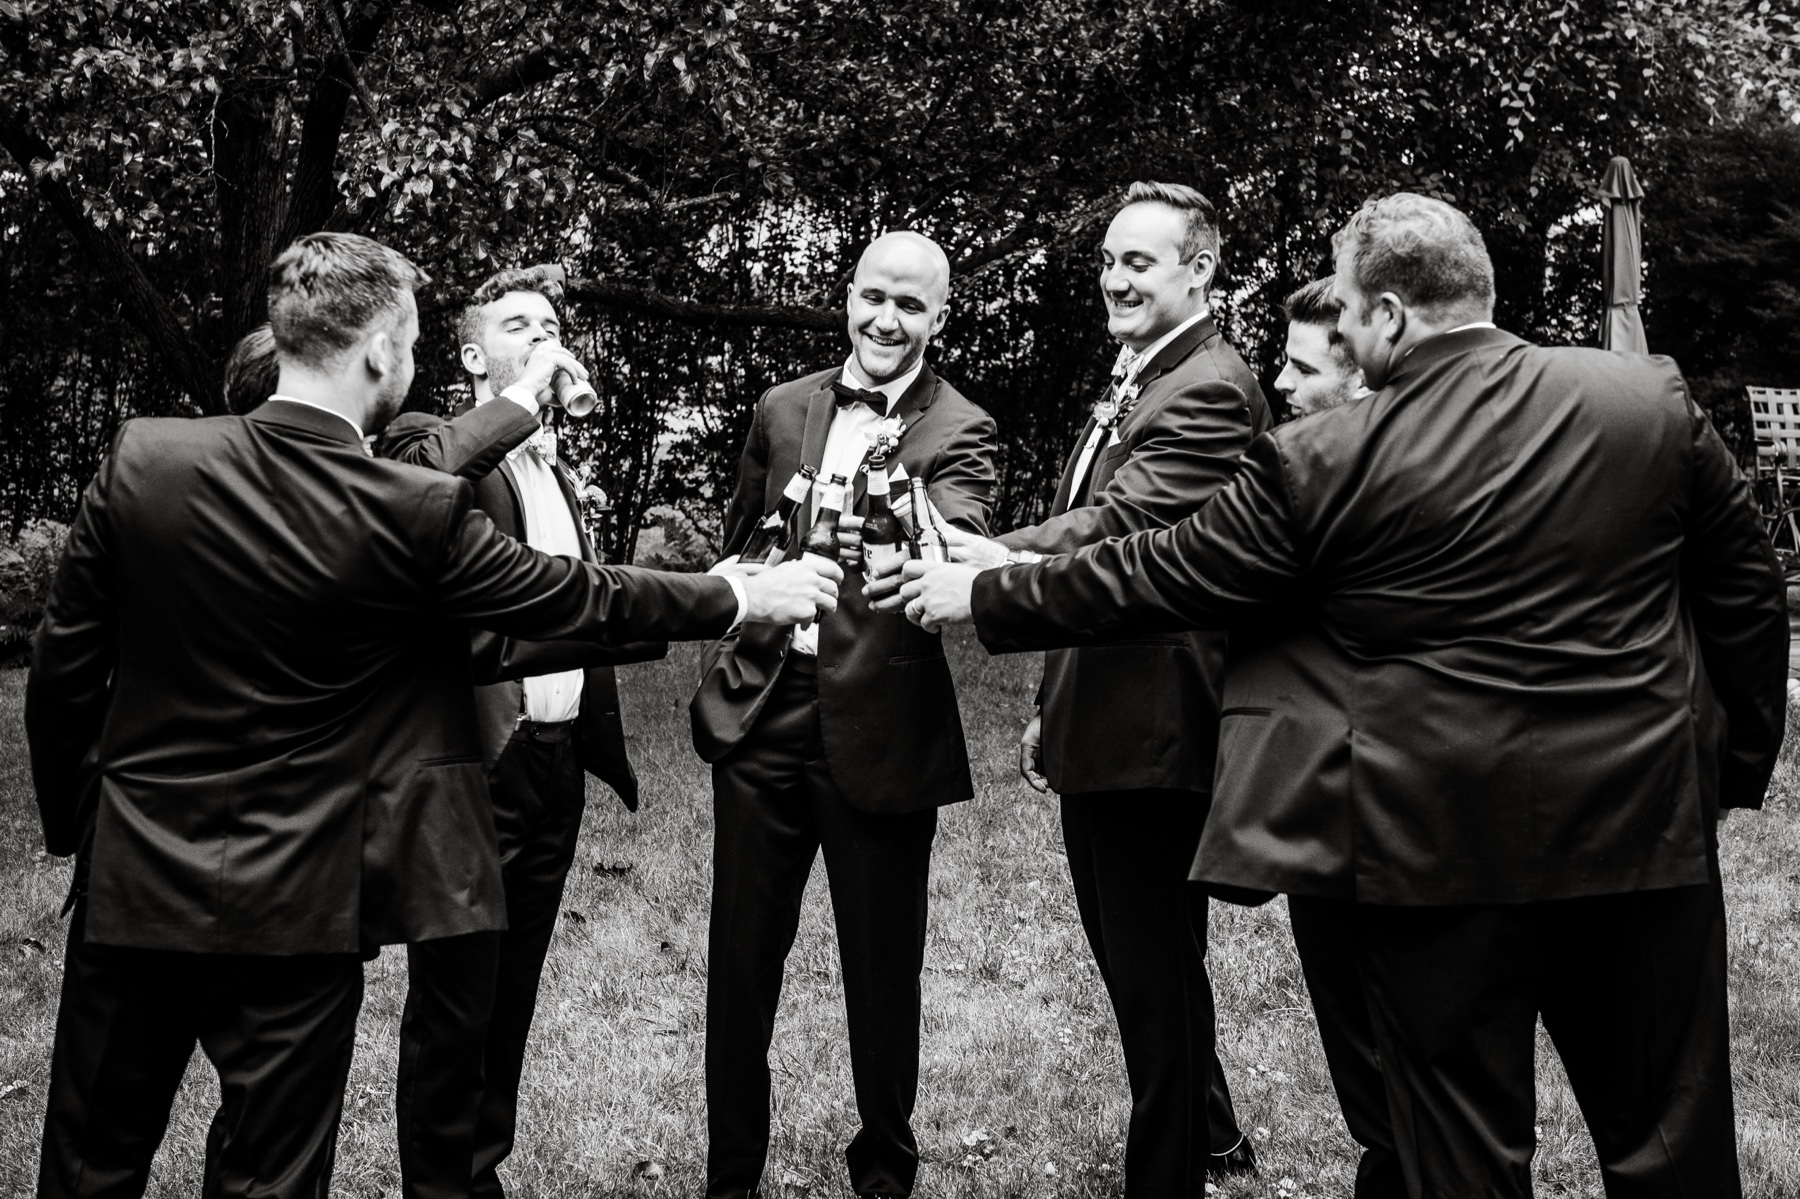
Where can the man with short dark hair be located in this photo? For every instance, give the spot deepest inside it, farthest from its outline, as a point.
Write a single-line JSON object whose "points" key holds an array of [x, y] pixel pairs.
{"points": [[253, 370], [1554, 637], [1318, 371], [1125, 729], [249, 717], [548, 714]]}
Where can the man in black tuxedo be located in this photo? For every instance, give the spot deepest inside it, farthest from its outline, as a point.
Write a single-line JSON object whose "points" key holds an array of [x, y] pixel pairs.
{"points": [[1124, 729], [249, 716], [547, 712], [1283, 659], [1556, 636], [843, 737]]}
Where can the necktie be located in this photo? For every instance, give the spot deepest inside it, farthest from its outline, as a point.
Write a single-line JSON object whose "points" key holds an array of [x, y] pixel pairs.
{"points": [[848, 395]]}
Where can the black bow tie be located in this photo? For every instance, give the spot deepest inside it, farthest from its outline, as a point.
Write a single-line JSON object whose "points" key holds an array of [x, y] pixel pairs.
{"points": [[848, 395]]}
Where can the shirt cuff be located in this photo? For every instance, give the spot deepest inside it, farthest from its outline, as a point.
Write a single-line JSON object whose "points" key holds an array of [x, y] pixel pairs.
{"points": [[743, 601], [522, 396]]}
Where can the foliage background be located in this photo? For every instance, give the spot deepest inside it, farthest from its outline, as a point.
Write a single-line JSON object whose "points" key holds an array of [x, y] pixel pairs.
{"points": [[707, 170]]}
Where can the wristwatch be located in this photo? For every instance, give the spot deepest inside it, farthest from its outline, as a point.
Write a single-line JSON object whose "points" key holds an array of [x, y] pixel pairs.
{"points": [[1021, 557]]}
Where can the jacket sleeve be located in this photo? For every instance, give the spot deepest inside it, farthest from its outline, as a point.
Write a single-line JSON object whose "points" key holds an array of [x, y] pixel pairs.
{"points": [[499, 659], [469, 446], [1188, 450], [72, 662], [961, 486], [748, 497], [482, 576], [1733, 589], [1211, 570]]}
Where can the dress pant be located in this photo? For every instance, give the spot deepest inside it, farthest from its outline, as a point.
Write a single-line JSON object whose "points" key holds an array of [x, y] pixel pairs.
{"points": [[775, 807], [1129, 855], [470, 999], [279, 1030], [1325, 936], [1632, 991]]}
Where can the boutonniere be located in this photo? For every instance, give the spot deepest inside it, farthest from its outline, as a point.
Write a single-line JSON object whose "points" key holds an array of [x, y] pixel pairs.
{"points": [[884, 436], [1116, 406]]}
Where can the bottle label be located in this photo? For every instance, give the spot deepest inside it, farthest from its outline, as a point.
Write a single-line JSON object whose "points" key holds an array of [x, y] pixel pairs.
{"points": [[879, 557], [797, 487]]}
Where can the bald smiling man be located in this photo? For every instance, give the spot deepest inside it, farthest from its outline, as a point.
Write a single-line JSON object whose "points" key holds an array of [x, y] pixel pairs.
{"points": [[842, 736]]}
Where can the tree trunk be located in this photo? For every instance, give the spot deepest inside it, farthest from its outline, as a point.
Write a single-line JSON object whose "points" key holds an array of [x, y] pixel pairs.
{"points": [[250, 130]]}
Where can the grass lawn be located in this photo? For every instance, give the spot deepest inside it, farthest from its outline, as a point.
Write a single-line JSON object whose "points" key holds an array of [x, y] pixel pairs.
{"points": [[1023, 1088]]}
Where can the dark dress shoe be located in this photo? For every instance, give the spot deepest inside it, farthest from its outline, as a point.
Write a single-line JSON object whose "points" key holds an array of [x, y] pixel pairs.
{"points": [[1241, 1159]]}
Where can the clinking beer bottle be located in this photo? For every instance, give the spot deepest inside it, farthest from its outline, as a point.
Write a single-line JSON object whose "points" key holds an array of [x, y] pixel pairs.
{"points": [[932, 546], [822, 539], [769, 540], [883, 538]]}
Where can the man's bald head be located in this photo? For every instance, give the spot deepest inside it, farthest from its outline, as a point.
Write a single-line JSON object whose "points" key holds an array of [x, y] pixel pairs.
{"points": [[897, 303], [910, 255]]}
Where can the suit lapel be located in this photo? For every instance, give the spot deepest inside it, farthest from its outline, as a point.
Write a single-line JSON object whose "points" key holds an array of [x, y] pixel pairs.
{"points": [[820, 408], [1166, 360], [564, 481], [511, 480], [1066, 485]]}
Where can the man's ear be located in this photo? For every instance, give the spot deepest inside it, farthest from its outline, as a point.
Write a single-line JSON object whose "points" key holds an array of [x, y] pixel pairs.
{"points": [[943, 314], [379, 356], [474, 360], [1393, 308], [1205, 265]]}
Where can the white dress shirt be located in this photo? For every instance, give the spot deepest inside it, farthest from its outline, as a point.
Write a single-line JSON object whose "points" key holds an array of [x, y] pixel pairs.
{"points": [[549, 528], [846, 445]]}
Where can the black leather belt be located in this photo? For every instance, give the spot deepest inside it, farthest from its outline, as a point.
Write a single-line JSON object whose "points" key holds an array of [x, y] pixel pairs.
{"points": [[544, 730]]}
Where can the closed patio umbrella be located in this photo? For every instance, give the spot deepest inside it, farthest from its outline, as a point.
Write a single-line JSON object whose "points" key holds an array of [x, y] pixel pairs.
{"points": [[1621, 328]]}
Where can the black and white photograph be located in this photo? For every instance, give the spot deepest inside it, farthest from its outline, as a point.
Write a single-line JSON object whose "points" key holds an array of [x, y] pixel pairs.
{"points": [[787, 599]]}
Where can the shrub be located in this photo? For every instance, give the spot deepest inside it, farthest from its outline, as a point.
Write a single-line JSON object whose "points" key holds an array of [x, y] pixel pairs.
{"points": [[27, 561], [670, 541]]}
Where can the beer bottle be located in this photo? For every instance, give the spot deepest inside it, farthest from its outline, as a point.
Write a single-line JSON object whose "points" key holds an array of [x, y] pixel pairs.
{"points": [[900, 501], [932, 546], [769, 540], [821, 540], [883, 539]]}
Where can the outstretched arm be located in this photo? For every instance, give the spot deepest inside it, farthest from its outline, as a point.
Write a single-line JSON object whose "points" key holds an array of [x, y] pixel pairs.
{"points": [[469, 446], [1209, 571], [1190, 449], [486, 578]]}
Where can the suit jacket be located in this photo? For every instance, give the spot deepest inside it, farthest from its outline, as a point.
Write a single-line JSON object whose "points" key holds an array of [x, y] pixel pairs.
{"points": [[250, 705], [1560, 628], [887, 706], [1143, 711], [474, 446]]}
